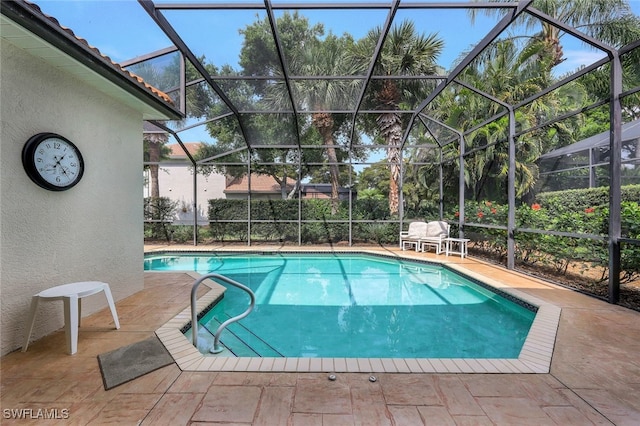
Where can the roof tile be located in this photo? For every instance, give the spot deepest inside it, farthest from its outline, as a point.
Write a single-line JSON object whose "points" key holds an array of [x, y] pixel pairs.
{"points": [[178, 152], [259, 183]]}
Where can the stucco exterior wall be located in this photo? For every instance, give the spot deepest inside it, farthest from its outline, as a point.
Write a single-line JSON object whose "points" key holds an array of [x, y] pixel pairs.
{"points": [[93, 231], [176, 183]]}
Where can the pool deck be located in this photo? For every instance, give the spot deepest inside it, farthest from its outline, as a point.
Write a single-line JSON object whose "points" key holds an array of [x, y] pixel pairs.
{"points": [[594, 374]]}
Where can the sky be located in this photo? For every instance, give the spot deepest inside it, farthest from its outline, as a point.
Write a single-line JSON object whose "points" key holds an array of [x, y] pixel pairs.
{"points": [[122, 30]]}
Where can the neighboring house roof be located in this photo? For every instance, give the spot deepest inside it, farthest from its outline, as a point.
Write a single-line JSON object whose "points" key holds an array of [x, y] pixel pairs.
{"points": [[265, 184], [259, 183], [178, 153], [324, 188], [27, 27]]}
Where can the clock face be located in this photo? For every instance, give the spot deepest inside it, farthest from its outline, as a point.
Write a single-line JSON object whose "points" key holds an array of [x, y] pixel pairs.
{"points": [[52, 161]]}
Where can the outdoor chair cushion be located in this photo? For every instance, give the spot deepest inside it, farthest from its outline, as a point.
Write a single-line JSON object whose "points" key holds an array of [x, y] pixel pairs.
{"points": [[436, 229], [417, 230]]}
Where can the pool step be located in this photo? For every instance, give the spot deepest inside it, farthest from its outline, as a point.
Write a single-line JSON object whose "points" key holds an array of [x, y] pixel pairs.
{"points": [[236, 346], [250, 341], [237, 338]]}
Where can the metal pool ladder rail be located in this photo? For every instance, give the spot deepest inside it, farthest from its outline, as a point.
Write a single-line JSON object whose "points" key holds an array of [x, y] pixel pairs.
{"points": [[194, 315]]}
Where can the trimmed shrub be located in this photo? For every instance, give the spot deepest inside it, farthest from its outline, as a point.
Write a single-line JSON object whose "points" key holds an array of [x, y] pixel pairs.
{"points": [[559, 202], [161, 210]]}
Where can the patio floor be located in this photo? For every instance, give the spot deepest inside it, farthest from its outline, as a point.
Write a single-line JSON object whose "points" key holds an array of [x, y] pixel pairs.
{"points": [[594, 378]]}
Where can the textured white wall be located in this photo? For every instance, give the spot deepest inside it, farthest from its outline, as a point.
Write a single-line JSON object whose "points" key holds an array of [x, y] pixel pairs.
{"points": [[93, 231], [176, 182]]}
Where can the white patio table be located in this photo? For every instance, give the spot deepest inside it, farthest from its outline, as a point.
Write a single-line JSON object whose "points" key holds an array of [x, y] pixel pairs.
{"points": [[70, 294]]}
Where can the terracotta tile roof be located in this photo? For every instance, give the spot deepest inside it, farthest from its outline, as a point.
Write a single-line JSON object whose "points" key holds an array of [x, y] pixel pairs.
{"points": [[35, 8], [259, 183], [178, 152]]}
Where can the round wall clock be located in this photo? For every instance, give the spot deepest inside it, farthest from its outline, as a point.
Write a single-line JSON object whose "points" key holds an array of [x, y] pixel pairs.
{"points": [[52, 161]]}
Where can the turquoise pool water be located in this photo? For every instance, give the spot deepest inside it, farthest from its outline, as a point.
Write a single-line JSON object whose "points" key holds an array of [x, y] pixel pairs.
{"points": [[351, 305]]}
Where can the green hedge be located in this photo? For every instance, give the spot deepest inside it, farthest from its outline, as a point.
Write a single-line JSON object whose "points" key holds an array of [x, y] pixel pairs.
{"points": [[559, 202], [316, 209], [319, 230]]}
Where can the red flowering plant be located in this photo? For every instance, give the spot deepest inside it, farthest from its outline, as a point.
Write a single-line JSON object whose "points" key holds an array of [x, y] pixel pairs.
{"points": [[532, 216], [568, 212], [485, 212]]}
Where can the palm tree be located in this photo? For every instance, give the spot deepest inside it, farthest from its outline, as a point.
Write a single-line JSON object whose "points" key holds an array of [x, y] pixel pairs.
{"points": [[610, 21], [405, 52], [314, 56]]}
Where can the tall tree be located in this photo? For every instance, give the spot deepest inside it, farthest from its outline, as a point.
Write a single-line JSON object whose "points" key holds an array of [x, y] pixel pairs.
{"points": [[307, 52], [405, 52], [610, 21], [155, 150], [321, 58], [231, 150]]}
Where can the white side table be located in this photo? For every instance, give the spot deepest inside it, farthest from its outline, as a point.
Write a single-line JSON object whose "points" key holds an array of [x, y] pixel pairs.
{"points": [[70, 295], [456, 243]]}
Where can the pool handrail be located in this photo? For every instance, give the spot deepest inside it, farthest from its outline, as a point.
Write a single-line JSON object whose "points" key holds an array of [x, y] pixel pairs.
{"points": [[194, 315]]}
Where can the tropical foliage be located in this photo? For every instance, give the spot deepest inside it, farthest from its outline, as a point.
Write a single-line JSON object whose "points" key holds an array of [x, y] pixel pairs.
{"points": [[510, 71]]}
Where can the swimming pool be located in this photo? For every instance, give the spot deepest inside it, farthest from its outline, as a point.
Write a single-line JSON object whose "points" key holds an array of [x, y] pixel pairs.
{"points": [[355, 306]]}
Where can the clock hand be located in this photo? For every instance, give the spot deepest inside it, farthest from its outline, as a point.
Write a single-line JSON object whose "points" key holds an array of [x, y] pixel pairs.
{"points": [[65, 171], [58, 160]]}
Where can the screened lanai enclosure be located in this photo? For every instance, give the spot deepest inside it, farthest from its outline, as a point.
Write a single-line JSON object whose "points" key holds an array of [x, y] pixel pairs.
{"points": [[339, 123]]}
